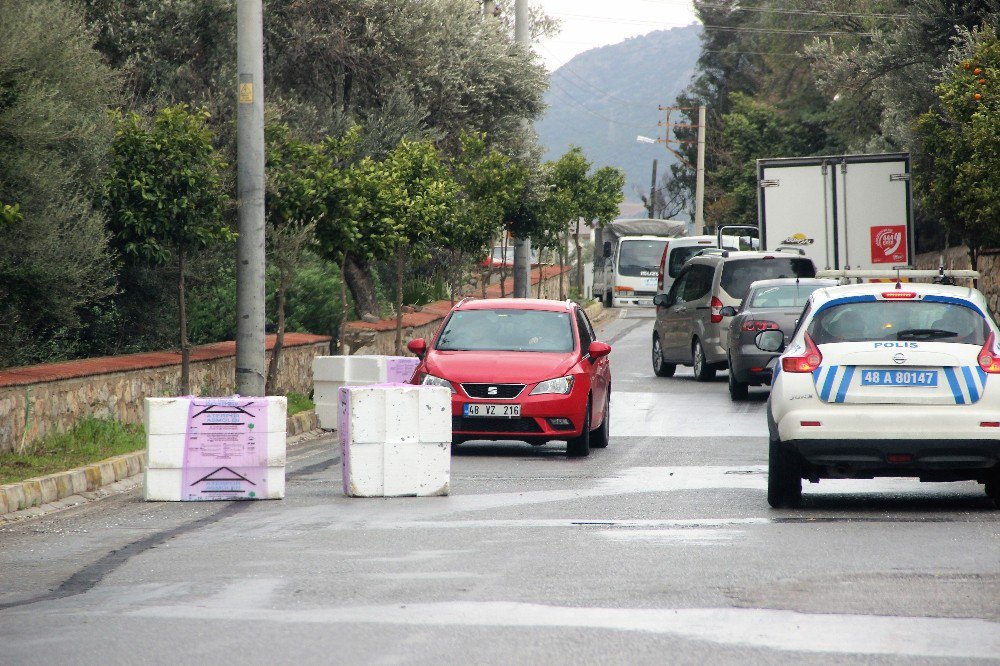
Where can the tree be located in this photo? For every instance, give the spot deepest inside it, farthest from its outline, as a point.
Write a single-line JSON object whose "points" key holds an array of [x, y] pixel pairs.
{"points": [[166, 196], [54, 134], [959, 174], [604, 193]]}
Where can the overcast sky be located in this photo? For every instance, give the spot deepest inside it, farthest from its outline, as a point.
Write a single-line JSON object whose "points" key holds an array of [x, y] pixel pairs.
{"points": [[590, 23]]}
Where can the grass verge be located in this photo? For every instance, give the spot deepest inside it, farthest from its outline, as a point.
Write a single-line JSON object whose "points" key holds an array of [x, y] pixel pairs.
{"points": [[90, 441], [299, 403]]}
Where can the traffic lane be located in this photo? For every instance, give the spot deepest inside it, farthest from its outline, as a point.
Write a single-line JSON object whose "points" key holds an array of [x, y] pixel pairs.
{"points": [[67, 552]]}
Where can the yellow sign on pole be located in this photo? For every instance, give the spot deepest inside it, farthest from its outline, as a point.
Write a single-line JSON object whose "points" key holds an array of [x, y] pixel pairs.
{"points": [[246, 93]]}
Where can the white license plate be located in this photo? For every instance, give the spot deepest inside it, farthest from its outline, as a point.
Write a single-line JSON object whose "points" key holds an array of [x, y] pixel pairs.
{"points": [[928, 378], [501, 411]]}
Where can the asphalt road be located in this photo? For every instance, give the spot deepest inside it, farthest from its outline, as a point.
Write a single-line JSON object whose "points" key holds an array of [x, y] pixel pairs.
{"points": [[658, 549]]}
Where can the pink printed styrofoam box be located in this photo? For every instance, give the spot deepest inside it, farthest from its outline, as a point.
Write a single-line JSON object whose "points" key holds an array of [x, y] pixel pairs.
{"points": [[331, 373], [215, 448], [395, 440]]}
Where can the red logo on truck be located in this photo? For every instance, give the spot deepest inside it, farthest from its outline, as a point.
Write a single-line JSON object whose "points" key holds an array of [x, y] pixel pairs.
{"points": [[889, 245]]}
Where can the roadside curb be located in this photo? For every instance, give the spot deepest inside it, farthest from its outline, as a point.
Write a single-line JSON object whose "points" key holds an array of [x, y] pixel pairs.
{"points": [[82, 482]]}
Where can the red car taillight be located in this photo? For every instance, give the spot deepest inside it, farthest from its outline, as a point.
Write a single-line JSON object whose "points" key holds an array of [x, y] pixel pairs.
{"points": [[807, 362], [989, 360], [716, 310], [752, 325], [663, 263]]}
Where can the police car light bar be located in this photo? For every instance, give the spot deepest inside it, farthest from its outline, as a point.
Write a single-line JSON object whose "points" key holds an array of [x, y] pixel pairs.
{"points": [[887, 274]]}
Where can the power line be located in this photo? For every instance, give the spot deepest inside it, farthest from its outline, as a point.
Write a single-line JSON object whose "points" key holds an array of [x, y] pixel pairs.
{"points": [[723, 28], [784, 11]]}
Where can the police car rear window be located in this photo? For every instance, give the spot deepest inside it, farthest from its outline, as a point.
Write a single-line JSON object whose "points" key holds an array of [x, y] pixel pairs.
{"points": [[738, 274], [910, 320]]}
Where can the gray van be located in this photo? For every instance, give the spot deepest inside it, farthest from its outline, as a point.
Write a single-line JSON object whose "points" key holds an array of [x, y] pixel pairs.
{"points": [[690, 328]]}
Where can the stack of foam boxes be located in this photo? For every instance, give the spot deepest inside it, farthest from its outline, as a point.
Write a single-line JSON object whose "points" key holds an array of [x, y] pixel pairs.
{"points": [[331, 373], [395, 440], [215, 448]]}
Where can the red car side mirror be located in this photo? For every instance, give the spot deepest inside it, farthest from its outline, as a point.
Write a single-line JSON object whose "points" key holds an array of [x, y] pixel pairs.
{"points": [[418, 346], [598, 350]]}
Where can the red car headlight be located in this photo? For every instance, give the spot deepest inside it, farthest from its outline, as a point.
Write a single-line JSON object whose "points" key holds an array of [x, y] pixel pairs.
{"points": [[560, 386]]}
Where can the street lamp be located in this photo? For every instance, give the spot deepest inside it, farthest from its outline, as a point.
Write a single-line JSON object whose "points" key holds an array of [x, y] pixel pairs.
{"points": [[644, 139]]}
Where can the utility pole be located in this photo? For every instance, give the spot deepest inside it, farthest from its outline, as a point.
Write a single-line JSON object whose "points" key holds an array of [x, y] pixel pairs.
{"points": [[652, 193], [250, 201], [699, 189], [489, 8], [699, 168], [522, 246]]}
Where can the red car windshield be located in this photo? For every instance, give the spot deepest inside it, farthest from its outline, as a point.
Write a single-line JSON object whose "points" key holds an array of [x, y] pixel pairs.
{"points": [[507, 330]]}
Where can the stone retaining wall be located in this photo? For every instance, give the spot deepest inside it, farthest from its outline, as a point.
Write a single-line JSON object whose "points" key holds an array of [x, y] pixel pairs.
{"points": [[958, 258], [38, 400]]}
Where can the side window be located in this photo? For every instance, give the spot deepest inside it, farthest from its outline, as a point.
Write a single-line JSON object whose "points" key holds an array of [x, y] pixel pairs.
{"points": [[586, 332], [699, 282], [676, 293]]}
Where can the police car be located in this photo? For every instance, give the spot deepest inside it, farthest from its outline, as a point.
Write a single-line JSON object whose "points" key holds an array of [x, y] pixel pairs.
{"points": [[885, 379]]}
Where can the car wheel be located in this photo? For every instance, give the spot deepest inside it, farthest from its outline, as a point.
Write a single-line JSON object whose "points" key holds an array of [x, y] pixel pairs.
{"points": [[703, 372], [738, 390], [600, 438], [660, 367], [784, 483], [993, 489], [607, 299], [579, 447]]}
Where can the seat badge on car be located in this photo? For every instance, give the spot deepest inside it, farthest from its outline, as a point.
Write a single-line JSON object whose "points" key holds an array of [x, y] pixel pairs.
{"points": [[899, 359], [491, 390]]}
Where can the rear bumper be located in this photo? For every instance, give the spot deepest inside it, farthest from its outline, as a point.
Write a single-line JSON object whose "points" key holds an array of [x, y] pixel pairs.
{"points": [[743, 365], [848, 423], [950, 459], [633, 301]]}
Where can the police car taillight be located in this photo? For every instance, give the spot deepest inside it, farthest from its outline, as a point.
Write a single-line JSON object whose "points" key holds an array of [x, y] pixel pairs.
{"points": [[716, 310], [807, 362], [989, 360]]}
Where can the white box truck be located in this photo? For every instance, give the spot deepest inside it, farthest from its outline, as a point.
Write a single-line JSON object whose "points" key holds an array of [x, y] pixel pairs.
{"points": [[842, 211], [627, 256]]}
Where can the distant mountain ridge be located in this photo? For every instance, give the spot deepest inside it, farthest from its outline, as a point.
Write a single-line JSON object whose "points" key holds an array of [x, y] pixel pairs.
{"points": [[603, 98]]}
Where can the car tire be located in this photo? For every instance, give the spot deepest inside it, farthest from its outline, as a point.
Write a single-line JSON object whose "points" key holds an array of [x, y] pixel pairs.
{"points": [[579, 447], [600, 438], [607, 299], [660, 367], [703, 371], [784, 482], [993, 490], [738, 391]]}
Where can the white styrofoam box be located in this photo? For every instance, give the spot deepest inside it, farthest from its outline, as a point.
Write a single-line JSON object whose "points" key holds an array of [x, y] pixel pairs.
{"points": [[396, 440], [168, 416], [331, 373], [167, 451], [165, 485]]}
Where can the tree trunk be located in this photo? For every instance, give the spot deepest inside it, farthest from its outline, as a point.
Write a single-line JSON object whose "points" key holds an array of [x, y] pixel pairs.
{"points": [[359, 281], [579, 262], [562, 265], [279, 340], [400, 262], [343, 308], [485, 277], [503, 270], [541, 253], [185, 350]]}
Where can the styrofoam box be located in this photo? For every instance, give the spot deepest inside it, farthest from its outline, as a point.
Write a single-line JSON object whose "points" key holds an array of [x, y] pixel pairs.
{"points": [[167, 451], [164, 485], [396, 440], [168, 416], [331, 373]]}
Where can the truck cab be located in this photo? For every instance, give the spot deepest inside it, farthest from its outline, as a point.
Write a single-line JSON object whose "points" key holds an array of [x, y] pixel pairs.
{"points": [[627, 261]]}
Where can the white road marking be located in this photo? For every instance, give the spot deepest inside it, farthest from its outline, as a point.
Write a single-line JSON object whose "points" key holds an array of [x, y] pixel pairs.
{"points": [[687, 537], [763, 628], [643, 414]]}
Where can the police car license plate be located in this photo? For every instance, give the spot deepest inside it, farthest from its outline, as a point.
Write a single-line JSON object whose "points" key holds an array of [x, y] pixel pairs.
{"points": [[928, 378], [502, 411]]}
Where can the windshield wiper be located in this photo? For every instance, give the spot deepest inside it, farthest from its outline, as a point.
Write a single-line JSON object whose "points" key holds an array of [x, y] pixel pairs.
{"points": [[925, 334]]}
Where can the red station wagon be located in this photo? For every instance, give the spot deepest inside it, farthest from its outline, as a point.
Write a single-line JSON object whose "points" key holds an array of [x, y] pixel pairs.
{"points": [[521, 369]]}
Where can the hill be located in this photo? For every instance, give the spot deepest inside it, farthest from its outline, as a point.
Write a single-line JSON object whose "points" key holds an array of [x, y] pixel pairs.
{"points": [[603, 98]]}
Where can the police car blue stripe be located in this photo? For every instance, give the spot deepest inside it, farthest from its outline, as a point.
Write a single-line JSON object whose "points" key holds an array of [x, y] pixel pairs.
{"points": [[824, 393], [956, 390], [864, 298], [971, 383], [845, 383], [982, 377], [951, 300]]}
